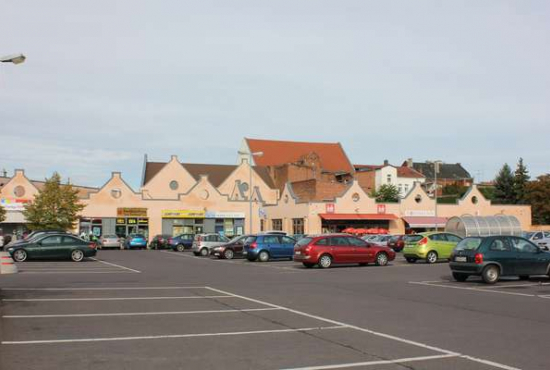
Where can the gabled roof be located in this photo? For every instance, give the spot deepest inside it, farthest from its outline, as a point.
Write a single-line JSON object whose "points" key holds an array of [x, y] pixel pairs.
{"points": [[367, 167], [83, 191], [217, 173], [332, 156], [449, 171]]}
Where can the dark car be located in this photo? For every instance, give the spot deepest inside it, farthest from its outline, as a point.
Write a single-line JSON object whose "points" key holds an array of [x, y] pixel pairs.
{"points": [[494, 256], [230, 250], [160, 241], [53, 246], [264, 247], [181, 242], [328, 249], [34, 235], [397, 242]]}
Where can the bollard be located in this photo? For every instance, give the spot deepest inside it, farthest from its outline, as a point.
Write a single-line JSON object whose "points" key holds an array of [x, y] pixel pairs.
{"points": [[7, 265]]}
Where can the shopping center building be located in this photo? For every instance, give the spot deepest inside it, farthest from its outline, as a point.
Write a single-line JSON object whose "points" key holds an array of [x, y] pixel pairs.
{"points": [[295, 187]]}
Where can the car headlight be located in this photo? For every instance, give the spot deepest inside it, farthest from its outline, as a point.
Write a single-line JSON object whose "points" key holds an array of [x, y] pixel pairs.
{"points": [[10, 249]]}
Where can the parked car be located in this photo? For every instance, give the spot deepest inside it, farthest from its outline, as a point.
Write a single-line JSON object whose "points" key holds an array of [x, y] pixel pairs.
{"points": [[135, 241], [397, 242], [109, 241], [181, 242], [274, 232], [203, 243], [540, 238], [263, 247], [379, 240], [297, 237], [430, 246], [494, 256], [234, 248], [52, 246], [159, 241], [326, 250], [34, 235]]}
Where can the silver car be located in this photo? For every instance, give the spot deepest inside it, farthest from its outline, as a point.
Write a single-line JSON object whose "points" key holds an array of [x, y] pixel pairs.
{"points": [[380, 240], [203, 243], [540, 238], [109, 241]]}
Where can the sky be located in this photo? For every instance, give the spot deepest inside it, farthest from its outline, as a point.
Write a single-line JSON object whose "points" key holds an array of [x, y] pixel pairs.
{"points": [[108, 81]]}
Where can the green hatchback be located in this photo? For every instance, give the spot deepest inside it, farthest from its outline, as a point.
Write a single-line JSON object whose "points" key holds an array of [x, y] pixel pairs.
{"points": [[53, 246], [429, 246]]}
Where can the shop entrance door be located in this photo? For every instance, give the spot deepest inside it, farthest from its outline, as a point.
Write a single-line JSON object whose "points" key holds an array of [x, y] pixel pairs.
{"points": [[177, 230]]}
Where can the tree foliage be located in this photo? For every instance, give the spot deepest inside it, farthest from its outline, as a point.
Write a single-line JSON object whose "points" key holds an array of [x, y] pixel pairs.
{"points": [[387, 193], [2, 214], [538, 196], [504, 186], [521, 179], [56, 206]]}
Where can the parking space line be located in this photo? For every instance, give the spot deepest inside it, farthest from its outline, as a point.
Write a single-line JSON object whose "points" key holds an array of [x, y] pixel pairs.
{"points": [[372, 363], [111, 299], [135, 313], [106, 288], [379, 334], [75, 272], [173, 336], [471, 289], [114, 264]]}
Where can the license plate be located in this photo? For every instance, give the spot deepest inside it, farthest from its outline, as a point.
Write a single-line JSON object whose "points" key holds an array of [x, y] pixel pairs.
{"points": [[245, 253], [460, 259], [297, 253]]}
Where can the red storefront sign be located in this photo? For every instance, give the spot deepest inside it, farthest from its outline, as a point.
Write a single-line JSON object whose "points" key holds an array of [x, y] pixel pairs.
{"points": [[330, 208], [381, 208]]}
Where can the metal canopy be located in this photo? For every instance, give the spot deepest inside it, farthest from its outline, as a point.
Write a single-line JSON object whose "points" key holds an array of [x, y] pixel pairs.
{"points": [[484, 226]]}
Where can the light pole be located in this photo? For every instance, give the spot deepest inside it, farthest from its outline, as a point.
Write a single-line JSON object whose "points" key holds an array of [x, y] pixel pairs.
{"points": [[436, 170], [250, 154], [15, 59]]}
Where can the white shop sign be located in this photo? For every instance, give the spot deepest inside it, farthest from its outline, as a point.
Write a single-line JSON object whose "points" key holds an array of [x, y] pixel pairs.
{"points": [[213, 214], [420, 213]]}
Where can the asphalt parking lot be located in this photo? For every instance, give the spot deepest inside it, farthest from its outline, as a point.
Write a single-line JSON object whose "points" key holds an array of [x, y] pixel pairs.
{"points": [[147, 309]]}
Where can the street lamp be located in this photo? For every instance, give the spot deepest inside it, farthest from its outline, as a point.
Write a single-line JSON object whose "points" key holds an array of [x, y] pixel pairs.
{"points": [[15, 59], [436, 170], [250, 154]]}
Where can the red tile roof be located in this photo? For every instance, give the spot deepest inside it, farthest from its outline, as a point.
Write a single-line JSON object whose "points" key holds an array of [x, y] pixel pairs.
{"points": [[332, 155], [408, 172]]}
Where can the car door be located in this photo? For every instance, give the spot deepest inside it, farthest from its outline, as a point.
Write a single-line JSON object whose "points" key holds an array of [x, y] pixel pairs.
{"points": [[361, 252], [273, 244], [437, 243], [287, 246], [530, 260], [501, 251], [68, 244], [343, 250], [51, 247]]}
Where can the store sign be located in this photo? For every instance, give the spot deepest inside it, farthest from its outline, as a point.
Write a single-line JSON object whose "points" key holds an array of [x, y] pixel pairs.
{"points": [[121, 221], [183, 213], [143, 221], [381, 208], [420, 213], [330, 208], [132, 221], [13, 204], [131, 212], [213, 214]]}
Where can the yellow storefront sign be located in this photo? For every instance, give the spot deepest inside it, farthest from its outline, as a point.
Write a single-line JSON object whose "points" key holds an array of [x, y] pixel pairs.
{"points": [[131, 212], [183, 213]]}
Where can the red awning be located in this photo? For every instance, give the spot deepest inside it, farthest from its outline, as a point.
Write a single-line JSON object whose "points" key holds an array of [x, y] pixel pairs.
{"points": [[358, 216], [420, 221]]}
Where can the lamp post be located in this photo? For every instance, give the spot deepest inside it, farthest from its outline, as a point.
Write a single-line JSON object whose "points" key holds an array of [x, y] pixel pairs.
{"points": [[15, 59], [436, 170], [250, 155]]}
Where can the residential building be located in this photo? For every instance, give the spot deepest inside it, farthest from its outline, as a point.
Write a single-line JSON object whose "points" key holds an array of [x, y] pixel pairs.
{"points": [[447, 174], [372, 177]]}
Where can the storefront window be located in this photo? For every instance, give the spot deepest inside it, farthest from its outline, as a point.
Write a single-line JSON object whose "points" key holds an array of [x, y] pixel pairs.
{"points": [[297, 226], [277, 224]]}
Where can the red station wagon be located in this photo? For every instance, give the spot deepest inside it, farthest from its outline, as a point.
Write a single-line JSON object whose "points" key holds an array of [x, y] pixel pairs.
{"points": [[328, 249]]}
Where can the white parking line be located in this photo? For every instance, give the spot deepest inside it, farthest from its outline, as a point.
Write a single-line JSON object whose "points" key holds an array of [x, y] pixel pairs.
{"points": [[135, 313], [387, 336], [114, 264], [372, 363], [111, 299], [76, 272], [275, 331], [106, 288], [471, 289]]}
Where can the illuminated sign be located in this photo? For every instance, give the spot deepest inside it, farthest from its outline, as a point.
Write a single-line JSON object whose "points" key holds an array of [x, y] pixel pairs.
{"points": [[131, 212], [183, 213]]}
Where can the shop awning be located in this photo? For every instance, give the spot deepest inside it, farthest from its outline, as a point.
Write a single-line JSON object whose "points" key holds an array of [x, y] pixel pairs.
{"points": [[420, 221], [358, 216]]}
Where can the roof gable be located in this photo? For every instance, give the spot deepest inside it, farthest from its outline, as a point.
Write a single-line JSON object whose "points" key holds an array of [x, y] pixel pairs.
{"points": [[453, 171]]}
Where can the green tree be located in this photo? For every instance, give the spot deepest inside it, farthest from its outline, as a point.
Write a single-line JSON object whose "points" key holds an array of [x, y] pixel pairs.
{"points": [[2, 214], [504, 186], [387, 193], [521, 178], [537, 194], [56, 206]]}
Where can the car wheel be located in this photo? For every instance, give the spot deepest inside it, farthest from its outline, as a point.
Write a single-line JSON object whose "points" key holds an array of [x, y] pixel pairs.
{"points": [[20, 255], [431, 257], [180, 248], [524, 277], [410, 260], [460, 277], [204, 252], [325, 261], [77, 255], [490, 274], [308, 264], [263, 256], [196, 253], [381, 259], [228, 254]]}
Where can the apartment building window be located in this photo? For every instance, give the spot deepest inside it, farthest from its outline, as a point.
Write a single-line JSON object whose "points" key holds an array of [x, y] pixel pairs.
{"points": [[297, 226], [389, 179], [262, 225], [400, 187], [406, 188], [277, 224]]}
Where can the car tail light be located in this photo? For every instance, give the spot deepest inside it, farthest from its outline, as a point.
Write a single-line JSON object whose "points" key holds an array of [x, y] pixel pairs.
{"points": [[424, 241], [479, 258], [253, 245], [170, 240], [92, 245]]}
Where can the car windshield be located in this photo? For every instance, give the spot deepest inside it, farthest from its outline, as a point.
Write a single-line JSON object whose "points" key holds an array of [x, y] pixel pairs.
{"points": [[469, 244], [110, 236], [303, 241], [394, 238], [413, 238], [528, 235], [137, 236]]}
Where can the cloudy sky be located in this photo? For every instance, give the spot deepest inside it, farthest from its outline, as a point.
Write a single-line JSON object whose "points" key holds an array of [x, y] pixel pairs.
{"points": [[107, 81]]}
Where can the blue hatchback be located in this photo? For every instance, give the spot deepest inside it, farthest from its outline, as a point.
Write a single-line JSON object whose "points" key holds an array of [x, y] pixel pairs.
{"points": [[135, 241], [264, 247], [181, 242]]}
